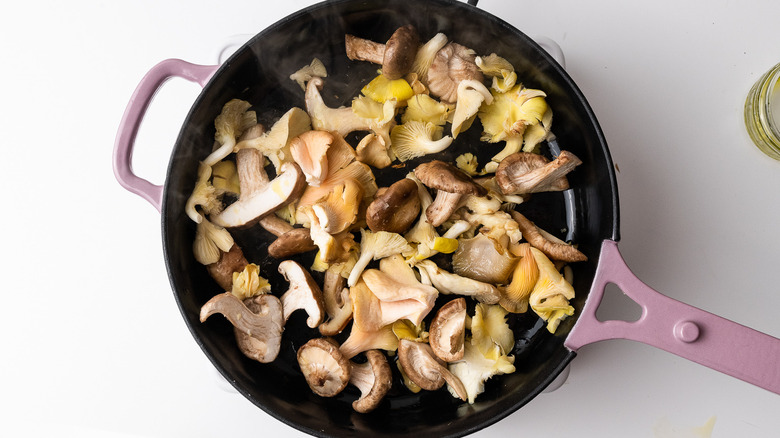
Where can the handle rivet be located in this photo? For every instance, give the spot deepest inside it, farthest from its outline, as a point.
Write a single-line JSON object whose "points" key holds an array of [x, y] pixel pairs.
{"points": [[686, 331]]}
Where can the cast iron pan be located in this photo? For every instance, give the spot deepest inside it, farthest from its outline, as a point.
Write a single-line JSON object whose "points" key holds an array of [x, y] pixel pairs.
{"points": [[587, 214]]}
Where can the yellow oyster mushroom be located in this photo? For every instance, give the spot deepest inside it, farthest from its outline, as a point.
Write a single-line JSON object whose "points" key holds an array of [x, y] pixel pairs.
{"points": [[424, 108], [382, 89], [415, 139], [551, 294], [471, 96], [249, 283]]}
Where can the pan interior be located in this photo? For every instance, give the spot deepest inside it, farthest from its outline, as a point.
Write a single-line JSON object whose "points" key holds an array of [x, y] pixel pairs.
{"points": [[259, 73]]}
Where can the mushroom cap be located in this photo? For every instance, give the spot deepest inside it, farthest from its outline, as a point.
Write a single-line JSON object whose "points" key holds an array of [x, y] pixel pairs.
{"points": [[229, 262], [326, 370], [374, 380], [448, 331], [424, 369], [526, 172], [295, 241], [446, 177], [400, 51], [452, 64], [395, 209]]}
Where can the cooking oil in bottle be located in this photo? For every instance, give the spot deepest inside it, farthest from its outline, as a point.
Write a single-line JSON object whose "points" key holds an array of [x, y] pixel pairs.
{"points": [[762, 113]]}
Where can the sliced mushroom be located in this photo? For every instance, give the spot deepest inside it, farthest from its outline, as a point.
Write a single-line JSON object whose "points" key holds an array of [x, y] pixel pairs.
{"points": [[259, 197], [526, 172], [326, 370], [260, 322], [556, 250], [452, 64], [229, 262], [304, 293], [396, 56], [373, 378], [424, 369], [396, 209], [337, 303], [451, 184], [447, 334]]}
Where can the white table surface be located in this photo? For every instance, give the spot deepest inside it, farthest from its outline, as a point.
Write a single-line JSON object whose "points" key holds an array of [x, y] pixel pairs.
{"points": [[92, 340]]}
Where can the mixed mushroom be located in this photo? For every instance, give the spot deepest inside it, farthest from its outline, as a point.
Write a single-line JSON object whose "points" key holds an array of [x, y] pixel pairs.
{"points": [[375, 284]]}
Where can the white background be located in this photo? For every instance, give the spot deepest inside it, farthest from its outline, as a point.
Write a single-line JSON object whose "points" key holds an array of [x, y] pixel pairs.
{"points": [[93, 343]]}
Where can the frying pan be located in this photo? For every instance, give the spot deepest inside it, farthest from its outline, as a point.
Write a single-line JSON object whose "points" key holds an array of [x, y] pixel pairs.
{"points": [[588, 214]]}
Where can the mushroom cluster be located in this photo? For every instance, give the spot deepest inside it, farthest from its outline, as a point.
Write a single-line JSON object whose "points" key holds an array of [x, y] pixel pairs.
{"points": [[376, 282]]}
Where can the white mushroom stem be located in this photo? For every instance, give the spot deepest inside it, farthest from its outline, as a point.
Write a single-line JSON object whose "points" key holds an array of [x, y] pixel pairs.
{"points": [[442, 207]]}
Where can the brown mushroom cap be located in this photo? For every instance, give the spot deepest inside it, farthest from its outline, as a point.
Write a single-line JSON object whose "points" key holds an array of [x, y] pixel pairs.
{"points": [[395, 209], [446, 177], [451, 183], [228, 263], [295, 241], [326, 370], [448, 331], [452, 64], [526, 172], [400, 51], [374, 380], [424, 369]]}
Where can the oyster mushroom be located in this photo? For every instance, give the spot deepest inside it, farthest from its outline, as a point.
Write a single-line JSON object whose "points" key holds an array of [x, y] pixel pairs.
{"points": [[360, 340], [395, 209], [373, 378], [526, 172], [452, 64], [483, 259], [447, 334], [449, 283], [259, 197], [326, 370], [424, 369], [310, 151], [396, 56], [323, 118], [555, 249], [303, 293], [451, 184], [260, 322]]}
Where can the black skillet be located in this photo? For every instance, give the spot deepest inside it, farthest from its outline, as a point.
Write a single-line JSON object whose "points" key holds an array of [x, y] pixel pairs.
{"points": [[587, 214]]}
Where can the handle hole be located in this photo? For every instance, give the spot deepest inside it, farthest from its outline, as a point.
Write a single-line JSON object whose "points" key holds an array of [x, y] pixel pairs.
{"points": [[160, 127], [617, 306]]}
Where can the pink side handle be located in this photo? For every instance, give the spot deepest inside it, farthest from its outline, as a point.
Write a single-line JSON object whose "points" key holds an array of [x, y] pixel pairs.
{"points": [[676, 327], [134, 113]]}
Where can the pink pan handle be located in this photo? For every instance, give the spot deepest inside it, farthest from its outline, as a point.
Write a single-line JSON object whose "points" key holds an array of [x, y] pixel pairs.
{"points": [[134, 113], [678, 328]]}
